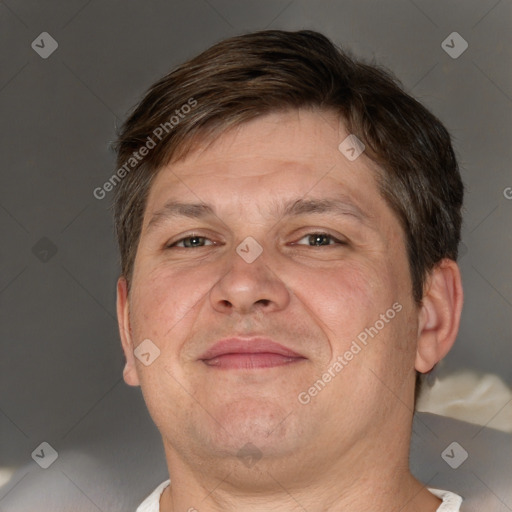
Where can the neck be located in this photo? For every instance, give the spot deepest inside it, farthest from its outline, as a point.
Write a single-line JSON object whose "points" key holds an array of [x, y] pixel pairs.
{"points": [[357, 483], [406, 495]]}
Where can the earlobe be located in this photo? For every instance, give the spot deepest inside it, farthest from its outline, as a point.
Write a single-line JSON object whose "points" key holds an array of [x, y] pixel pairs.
{"points": [[439, 317], [123, 319]]}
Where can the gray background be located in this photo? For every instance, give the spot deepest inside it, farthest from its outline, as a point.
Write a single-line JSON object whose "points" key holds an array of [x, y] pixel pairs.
{"points": [[61, 361]]}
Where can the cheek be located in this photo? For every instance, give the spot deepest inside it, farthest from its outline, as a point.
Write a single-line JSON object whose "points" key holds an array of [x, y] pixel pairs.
{"points": [[343, 299], [165, 297], [347, 301]]}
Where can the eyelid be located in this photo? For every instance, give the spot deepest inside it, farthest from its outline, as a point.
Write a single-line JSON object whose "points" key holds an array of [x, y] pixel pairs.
{"points": [[338, 239], [334, 238], [183, 237]]}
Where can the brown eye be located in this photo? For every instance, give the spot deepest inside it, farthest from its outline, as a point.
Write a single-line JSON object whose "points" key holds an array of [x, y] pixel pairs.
{"points": [[320, 240]]}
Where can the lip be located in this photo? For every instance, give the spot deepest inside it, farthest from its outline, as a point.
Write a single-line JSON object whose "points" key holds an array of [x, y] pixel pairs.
{"points": [[249, 353]]}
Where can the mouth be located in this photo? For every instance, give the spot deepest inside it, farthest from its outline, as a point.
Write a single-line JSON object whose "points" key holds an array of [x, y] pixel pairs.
{"points": [[248, 354]]}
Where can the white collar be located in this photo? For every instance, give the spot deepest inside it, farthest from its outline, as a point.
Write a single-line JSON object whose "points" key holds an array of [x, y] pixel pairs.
{"points": [[451, 501]]}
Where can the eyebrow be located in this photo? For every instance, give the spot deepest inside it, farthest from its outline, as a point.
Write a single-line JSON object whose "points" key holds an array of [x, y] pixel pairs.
{"points": [[338, 207]]}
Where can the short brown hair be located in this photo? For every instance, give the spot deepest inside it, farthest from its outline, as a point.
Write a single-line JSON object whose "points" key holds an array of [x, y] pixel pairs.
{"points": [[250, 75]]}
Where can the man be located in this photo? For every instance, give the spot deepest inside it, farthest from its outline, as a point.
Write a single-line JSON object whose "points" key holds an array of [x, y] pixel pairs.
{"points": [[288, 220]]}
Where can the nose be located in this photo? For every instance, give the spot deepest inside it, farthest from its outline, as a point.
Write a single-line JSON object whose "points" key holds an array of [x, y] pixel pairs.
{"points": [[245, 287]]}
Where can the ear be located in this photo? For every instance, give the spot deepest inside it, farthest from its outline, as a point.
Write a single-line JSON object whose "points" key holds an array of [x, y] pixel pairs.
{"points": [[123, 319], [439, 317]]}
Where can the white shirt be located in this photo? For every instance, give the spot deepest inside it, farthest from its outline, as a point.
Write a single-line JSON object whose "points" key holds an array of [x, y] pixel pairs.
{"points": [[451, 501]]}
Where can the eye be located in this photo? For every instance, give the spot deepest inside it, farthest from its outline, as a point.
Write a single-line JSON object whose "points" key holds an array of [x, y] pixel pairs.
{"points": [[190, 242], [320, 240]]}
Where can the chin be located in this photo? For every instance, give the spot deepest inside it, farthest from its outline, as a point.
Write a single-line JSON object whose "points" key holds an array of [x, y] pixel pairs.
{"points": [[267, 426]]}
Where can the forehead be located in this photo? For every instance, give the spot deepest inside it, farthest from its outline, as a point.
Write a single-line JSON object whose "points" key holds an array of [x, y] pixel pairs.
{"points": [[294, 135], [283, 154]]}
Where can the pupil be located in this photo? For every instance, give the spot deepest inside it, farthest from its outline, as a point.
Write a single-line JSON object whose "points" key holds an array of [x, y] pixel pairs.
{"points": [[317, 239], [195, 240]]}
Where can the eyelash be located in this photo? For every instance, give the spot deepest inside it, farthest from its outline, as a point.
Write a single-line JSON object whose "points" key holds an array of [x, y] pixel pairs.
{"points": [[313, 233]]}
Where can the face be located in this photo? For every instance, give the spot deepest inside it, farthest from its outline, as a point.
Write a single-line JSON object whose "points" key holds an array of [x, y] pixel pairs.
{"points": [[283, 311]]}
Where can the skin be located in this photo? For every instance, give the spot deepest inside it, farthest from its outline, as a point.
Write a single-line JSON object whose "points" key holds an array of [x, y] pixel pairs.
{"points": [[347, 449]]}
